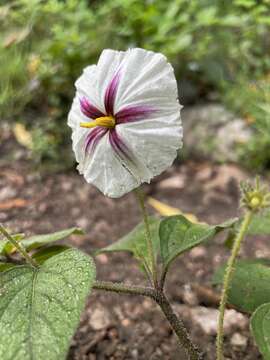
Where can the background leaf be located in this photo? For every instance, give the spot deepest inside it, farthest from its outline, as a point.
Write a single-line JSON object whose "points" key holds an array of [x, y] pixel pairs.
{"points": [[135, 242], [177, 235], [5, 266], [40, 307], [2, 245], [36, 241], [6, 247], [260, 326], [250, 285], [48, 252], [260, 224]]}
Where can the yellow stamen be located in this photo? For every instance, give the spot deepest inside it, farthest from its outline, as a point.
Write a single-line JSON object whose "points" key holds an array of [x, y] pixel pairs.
{"points": [[104, 121]]}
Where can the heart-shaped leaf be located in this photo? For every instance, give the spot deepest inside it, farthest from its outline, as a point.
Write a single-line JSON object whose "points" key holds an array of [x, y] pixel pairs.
{"points": [[260, 327], [177, 235], [135, 242], [40, 307], [250, 286]]}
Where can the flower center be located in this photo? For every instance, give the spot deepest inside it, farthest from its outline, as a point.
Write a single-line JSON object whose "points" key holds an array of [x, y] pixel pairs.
{"points": [[104, 121]]}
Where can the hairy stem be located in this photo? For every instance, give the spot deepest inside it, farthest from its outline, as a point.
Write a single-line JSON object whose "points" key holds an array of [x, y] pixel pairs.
{"points": [[178, 327], [163, 278], [18, 246], [124, 288], [140, 197], [227, 280], [159, 297]]}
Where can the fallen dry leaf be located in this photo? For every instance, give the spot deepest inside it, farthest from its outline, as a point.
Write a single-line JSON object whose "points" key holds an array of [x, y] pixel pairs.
{"points": [[14, 203]]}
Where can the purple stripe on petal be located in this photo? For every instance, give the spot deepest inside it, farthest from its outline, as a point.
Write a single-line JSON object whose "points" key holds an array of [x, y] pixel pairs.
{"points": [[93, 138], [111, 93], [133, 113], [119, 146], [90, 110]]}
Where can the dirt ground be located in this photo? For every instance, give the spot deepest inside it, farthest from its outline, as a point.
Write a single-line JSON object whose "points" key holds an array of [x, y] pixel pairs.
{"points": [[123, 327]]}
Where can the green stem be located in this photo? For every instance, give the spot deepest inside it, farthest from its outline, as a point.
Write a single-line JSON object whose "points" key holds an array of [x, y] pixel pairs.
{"points": [[227, 280], [159, 297], [18, 246], [140, 197]]}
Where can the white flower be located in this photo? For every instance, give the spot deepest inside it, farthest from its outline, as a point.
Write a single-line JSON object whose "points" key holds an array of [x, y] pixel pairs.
{"points": [[125, 120]]}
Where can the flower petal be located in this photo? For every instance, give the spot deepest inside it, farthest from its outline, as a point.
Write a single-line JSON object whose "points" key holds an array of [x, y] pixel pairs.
{"points": [[94, 137], [89, 110], [133, 113], [147, 79], [120, 147], [87, 87], [155, 142], [111, 93], [105, 170], [108, 66], [128, 159]]}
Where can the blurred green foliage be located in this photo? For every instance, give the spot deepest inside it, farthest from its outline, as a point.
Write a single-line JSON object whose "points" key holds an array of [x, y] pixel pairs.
{"points": [[212, 44]]}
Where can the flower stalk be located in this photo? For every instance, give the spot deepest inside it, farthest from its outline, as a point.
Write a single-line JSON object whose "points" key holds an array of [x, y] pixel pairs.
{"points": [[151, 254], [18, 246], [227, 280], [254, 198]]}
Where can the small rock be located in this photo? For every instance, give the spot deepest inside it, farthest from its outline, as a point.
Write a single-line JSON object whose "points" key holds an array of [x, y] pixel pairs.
{"points": [[207, 319], [82, 222], [103, 259], [173, 182], [7, 193], [134, 354], [234, 319], [198, 252], [147, 304], [66, 185], [126, 322], [99, 318], [239, 340], [189, 296]]}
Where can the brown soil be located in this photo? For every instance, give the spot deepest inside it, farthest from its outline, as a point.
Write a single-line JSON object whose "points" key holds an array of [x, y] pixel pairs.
{"points": [[123, 327]]}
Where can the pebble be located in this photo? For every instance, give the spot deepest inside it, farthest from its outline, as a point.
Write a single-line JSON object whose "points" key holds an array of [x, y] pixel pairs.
{"points": [[82, 222], [198, 252], [99, 318], [173, 182], [189, 296], [7, 193], [207, 319], [239, 340]]}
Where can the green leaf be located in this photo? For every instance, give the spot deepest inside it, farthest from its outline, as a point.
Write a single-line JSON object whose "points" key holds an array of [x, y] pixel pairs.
{"points": [[2, 246], [250, 285], [36, 241], [40, 307], [6, 247], [177, 235], [260, 327], [260, 224], [46, 253], [5, 266], [135, 242]]}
